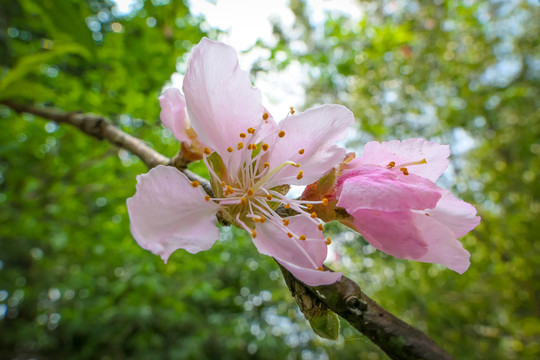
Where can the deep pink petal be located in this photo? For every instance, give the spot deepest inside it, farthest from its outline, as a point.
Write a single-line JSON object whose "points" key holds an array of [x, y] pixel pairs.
{"points": [[221, 101], [173, 113], [395, 233], [314, 131], [377, 188], [167, 213], [300, 257], [406, 151], [456, 214], [443, 247]]}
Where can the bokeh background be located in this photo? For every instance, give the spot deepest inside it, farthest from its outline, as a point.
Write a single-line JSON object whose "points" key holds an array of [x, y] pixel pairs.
{"points": [[74, 284]]}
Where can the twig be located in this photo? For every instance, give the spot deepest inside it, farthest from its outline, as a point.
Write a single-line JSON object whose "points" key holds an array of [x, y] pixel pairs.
{"points": [[395, 337]]}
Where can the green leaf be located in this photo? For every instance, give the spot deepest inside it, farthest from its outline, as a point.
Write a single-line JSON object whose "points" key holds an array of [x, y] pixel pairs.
{"points": [[25, 89], [326, 325], [30, 63]]}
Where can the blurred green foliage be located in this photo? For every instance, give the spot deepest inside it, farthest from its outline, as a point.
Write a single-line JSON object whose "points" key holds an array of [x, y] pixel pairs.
{"points": [[73, 283]]}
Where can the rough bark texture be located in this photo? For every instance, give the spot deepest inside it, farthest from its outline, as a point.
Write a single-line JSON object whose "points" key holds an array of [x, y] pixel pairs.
{"points": [[396, 338]]}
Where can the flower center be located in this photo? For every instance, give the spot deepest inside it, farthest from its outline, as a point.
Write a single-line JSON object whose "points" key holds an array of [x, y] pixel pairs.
{"points": [[244, 187]]}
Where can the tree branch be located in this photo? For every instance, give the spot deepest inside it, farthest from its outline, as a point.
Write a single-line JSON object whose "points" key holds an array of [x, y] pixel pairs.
{"points": [[396, 338]]}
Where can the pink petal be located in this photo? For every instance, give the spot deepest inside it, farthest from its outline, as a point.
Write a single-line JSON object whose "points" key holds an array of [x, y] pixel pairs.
{"points": [[167, 213], [376, 188], [173, 113], [314, 131], [443, 247], [395, 233], [456, 214], [221, 101], [301, 258], [406, 151]]}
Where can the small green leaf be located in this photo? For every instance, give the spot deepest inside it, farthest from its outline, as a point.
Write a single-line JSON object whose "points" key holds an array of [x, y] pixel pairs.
{"points": [[326, 325]]}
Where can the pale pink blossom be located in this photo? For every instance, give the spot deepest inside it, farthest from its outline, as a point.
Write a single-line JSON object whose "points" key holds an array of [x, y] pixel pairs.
{"points": [[251, 160], [391, 194]]}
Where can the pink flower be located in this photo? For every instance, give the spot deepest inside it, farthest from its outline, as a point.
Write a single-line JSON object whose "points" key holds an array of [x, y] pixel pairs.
{"points": [[251, 159], [391, 195]]}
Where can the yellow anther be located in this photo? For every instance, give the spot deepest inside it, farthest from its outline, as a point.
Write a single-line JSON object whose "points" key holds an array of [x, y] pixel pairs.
{"points": [[309, 206], [302, 237], [229, 189], [207, 198], [300, 175], [265, 147], [290, 235], [250, 192], [320, 268], [240, 146], [292, 110], [321, 227], [281, 133], [328, 241], [269, 197], [286, 206], [254, 147], [404, 171], [251, 130], [391, 164], [301, 151], [230, 149], [295, 165], [314, 214], [285, 222], [195, 183], [265, 116], [325, 201], [243, 201], [249, 146], [223, 183], [253, 234], [207, 151], [266, 165], [262, 219], [243, 135]]}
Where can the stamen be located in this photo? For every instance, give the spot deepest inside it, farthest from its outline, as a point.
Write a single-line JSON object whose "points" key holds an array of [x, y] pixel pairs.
{"points": [[229, 190], [320, 268], [195, 183], [301, 151], [269, 197], [207, 198], [266, 165], [251, 130], [253, 234], [207, 151], [285, 222], [240, 146], [404, 171], [265, 147], [271, 173], [292, 110], [250, 192], [309, 206], [419, 162], [223, 183], [300, 175], [391, 164], [290, 235], [314, 215], [302, 237], [286, 206], [328, 241], [254, 147], [243, 135], [243, 201], [265, 116], [321, 227], [325, 201], [230, 149], [281, 133]]}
